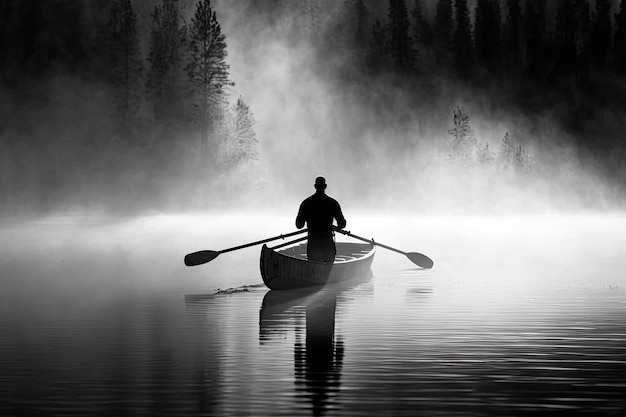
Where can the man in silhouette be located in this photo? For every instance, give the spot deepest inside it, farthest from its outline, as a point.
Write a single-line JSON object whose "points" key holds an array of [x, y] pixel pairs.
{"points": [[319, 211]]}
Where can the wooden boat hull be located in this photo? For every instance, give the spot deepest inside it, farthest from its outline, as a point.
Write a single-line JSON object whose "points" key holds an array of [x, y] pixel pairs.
{"points": [[289, 268]]}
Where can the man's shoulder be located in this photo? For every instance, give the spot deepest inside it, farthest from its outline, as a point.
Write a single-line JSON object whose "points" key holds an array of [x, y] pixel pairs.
{"points": [[330, 199], [319, 199], [308, 199]]}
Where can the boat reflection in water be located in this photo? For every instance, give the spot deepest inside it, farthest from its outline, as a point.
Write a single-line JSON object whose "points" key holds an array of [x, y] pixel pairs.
{"points": [[317, 360]]}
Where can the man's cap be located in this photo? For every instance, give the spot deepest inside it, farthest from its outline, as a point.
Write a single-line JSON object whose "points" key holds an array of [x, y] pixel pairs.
{"points": [[320, 181]]}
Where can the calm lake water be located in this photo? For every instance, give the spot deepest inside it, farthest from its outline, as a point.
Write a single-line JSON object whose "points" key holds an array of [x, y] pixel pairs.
{"points": [[519, 316]]}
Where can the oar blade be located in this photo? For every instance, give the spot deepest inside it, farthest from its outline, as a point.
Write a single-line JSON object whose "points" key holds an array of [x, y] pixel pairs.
{"points": [[200, 257], [420, 260]]}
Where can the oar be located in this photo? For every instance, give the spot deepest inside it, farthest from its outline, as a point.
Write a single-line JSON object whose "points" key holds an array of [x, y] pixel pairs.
{"points": [[282, 245], [204, 256], [417, 258]]}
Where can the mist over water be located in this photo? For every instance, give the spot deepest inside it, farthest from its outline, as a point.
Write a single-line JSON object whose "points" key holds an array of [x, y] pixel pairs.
{"points": [[520, 314]]}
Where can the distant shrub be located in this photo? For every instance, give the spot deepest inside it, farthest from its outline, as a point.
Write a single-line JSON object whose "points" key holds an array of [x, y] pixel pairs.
{"points": [[514, 157], [466, 151], [462, 145]]}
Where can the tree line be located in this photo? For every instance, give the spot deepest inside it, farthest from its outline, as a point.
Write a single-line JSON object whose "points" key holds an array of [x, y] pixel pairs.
{"points": [[565, 54], [562, 60], [163, 89], [532, 40], [157, 97], [183, 79]]}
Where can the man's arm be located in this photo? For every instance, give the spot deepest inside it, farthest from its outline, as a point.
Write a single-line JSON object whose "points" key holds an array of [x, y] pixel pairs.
{"points": [[300, 218], [341, 221]]}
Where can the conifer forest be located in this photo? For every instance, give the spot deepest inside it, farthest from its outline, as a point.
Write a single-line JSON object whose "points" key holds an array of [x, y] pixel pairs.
{"points": [[122, 105]]}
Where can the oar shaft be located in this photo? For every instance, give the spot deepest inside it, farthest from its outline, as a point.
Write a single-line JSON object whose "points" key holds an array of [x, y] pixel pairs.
{"points": [[290, 243], [345, 232], [389, 247], [263, 241], [417, 258]]}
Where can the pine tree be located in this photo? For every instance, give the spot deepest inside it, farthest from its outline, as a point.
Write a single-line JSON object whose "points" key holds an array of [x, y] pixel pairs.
{"points": [[19, 31], [512, 42], [125, 59], [243, 140], [444, 24], [303, 22], [506, 156], [361, 14], [240, 167], [423, 31], [602, 34], [521, 159], [462, 37], [484, 156], [463, 144], [379, 44], [399, 39], [487, 32], [165, 57], [8, 35], [572, 29], [583, 38], [37, 36], [350, 29], [207, 69], [514, 157], [565, 36], [536, 39], [312, 23], [619, 38]]}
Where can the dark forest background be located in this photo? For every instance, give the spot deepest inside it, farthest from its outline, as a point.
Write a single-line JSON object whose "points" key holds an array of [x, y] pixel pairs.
{"points": [[131, 105]]}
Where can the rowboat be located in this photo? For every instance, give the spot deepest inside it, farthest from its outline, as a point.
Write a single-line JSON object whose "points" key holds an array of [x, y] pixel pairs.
{"points": [[287, 267]]}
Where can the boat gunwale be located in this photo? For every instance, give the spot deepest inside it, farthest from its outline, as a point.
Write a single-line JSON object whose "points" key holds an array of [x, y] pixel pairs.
{"points": [[366, 255]]}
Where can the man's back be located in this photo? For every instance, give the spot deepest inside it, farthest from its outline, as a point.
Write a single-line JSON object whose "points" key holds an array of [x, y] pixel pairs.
{"points": [[318, 211]]}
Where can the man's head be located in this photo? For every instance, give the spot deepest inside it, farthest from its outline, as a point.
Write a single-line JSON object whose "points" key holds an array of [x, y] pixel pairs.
{"points": [[320, 183]]}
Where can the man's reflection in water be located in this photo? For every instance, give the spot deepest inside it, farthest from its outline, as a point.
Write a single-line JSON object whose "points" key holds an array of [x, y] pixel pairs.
{"points": [[318, 363]]}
